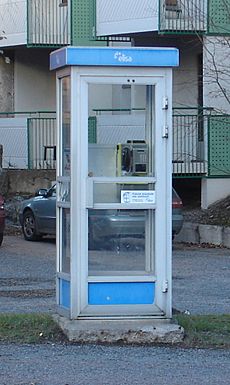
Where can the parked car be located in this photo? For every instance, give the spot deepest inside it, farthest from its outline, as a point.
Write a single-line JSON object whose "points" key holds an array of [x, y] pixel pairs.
{"points": [[38, 217], [2, 218]]}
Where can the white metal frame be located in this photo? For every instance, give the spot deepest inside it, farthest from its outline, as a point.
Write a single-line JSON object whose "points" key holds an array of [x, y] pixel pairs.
{"points": [[81, 187], [60, 274]]}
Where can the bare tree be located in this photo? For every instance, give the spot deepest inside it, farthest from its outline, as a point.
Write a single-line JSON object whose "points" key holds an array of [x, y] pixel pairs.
{"points": [[216, 72]]}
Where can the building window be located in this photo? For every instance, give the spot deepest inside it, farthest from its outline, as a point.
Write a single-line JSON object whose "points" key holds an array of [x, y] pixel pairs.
{"points": [[171, 5], [63, 3]]}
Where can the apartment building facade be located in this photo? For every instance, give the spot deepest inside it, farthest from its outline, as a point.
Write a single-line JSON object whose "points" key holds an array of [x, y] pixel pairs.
{"points": [[31, 29]]}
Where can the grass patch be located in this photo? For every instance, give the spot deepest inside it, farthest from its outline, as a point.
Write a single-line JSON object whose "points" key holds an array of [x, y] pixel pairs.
{"points": [[202, 331], [29, 328], [206, 330]]}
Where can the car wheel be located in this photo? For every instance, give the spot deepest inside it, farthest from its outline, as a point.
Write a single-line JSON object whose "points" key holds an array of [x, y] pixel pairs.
{"points": [[29, 227], [1, 238]]}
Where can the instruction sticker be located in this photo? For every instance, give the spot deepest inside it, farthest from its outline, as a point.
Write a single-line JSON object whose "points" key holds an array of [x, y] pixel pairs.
{"points": [[138, 196]]}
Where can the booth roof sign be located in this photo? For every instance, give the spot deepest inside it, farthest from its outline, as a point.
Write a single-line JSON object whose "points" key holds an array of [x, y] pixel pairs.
{"points": [[111, 56]]}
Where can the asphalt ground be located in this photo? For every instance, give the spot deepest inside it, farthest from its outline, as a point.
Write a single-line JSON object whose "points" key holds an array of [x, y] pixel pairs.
{"points": [[27, 284], [112, 365]]}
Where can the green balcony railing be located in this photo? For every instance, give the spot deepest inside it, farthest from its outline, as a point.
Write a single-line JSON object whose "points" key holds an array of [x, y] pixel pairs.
{"points": [[219, 145], [201, 140], [201, 143], [189, 135], [53, 23], [218, 17], [194, 16]]}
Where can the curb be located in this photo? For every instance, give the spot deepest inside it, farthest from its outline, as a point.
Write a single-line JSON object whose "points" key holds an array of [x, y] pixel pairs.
{"points": [[200, 234]]}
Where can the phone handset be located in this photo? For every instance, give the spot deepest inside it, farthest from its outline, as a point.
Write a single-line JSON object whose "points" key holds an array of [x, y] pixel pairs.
{"points": [[127, 160]]}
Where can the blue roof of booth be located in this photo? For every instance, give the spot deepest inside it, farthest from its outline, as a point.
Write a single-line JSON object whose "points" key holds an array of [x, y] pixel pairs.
{"points": [[114, 56]]}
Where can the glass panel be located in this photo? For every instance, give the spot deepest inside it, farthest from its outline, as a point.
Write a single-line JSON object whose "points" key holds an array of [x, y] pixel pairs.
{"points": [[119, 241], [129, 193], [64, 180], [65, 231], [124, 130], [122, 240], [64, 191], [66, 125]]}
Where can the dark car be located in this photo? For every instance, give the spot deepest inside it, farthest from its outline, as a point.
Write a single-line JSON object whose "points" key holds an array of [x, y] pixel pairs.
{"points": [[2, 218], [38, 217]]}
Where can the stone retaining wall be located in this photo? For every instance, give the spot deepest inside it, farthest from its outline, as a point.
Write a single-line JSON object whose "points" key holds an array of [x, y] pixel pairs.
{"points": [[25, 182], [202, 234]]}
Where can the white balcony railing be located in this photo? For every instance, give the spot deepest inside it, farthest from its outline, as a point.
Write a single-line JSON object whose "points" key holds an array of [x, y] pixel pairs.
{"points": [[183, 15], [48, 22], [34, 22]]}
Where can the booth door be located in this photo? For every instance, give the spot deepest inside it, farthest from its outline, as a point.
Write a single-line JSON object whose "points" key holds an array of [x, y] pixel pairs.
{"points": [[126, 206]]}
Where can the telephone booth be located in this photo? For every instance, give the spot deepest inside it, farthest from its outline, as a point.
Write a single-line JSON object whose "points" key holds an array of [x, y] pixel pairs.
{"points": [[114, 166]]}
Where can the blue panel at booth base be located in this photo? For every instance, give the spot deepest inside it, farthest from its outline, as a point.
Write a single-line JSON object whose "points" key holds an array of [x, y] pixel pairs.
{"points": [[64, 291], [121, 293]]}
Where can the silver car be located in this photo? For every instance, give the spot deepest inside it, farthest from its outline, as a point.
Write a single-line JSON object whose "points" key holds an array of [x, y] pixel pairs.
{"points": [[38, 218]]}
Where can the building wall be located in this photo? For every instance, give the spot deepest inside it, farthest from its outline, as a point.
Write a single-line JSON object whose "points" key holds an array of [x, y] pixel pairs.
{"points": [[211, 191], [185, 77], [6, 83], [34, 83], [185, 80], [216, 67]]}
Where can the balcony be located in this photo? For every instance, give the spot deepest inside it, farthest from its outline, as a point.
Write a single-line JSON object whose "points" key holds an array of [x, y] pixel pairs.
{"points": [[48, 23], [27, 139], [53, 23], [201, 140], [201, 143], [35, 23], [133, 16], [180, 16], [190, 140]]}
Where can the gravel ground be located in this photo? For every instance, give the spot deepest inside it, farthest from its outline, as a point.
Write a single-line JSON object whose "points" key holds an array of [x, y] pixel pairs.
{"points": [[216, 214], [201, 282], [27, 275], [112, 365]]}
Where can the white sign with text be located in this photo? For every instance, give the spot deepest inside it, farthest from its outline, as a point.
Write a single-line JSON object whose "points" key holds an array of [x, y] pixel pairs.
{"points": [[138, 196]]}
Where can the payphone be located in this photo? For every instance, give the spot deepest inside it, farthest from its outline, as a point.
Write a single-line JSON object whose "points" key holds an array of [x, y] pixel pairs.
{"points": [[132, 158]]}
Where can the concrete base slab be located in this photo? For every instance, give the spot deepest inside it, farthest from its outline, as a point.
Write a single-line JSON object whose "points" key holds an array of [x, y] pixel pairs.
{"points": [[142, 331]]}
